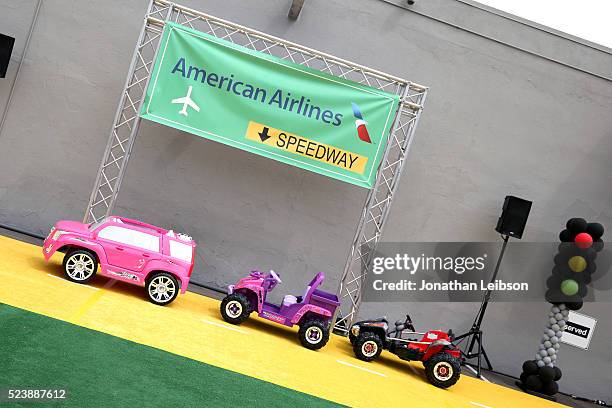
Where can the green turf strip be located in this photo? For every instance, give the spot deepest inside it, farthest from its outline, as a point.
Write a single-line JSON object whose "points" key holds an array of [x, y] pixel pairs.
{"points": [[99, 370]]}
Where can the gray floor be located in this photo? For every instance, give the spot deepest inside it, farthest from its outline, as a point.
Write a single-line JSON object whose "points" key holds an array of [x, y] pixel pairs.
{"points": [[495, 378]]}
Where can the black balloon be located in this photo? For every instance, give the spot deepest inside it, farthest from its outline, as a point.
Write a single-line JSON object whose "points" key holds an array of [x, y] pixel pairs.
{"points": [[598, 245], [550, 388], [553, 282], [554, 296], [595, 230], [582, 277], [530, 367], [566, 236], [576, 225], [590, 254], [558, 373], [533, 382], [574, 305], [547, 374], [560, 260], [557, 270]]}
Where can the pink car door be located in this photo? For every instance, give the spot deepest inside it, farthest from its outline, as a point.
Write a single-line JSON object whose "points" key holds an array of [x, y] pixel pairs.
{"points": [[127, 248]]}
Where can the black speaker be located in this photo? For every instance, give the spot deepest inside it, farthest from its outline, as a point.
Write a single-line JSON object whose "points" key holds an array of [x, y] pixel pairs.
{"points": [[6, 48], [514, 217]]}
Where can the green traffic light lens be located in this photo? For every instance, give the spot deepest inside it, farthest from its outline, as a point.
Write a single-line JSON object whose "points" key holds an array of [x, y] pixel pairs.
{"points": [[569, 287]]}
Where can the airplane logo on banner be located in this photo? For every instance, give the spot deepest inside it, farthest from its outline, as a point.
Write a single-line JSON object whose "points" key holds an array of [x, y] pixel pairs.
{"points": [[187, 101], [360, 124]]}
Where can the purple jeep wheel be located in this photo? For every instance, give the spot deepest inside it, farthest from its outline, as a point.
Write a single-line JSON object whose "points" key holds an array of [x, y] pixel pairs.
{"points": [[313, 334], [235, 308]]}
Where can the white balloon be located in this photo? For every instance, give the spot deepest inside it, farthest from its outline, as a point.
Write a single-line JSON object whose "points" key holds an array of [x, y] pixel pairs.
{"points": [[551, 351], [547, 344], [547, 360], [540, 363], [555, 309]]}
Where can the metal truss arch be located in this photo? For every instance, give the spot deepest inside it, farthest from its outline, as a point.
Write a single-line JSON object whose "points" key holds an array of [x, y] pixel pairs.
{"points": [[378, 202]]}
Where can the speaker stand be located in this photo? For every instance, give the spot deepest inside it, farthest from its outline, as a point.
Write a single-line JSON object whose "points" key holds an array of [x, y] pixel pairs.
{"points": [[474, 335]]}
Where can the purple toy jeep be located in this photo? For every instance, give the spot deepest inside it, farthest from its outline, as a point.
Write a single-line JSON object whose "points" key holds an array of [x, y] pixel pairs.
{"points": [[312, 312]]}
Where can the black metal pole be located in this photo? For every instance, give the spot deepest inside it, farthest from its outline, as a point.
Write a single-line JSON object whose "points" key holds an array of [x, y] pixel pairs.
{"points": [[487, 296], [475, 334]]}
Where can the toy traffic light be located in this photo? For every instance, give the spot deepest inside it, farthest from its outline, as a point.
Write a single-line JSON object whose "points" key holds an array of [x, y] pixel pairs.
{"points": [[567, 287], [575, 263]]}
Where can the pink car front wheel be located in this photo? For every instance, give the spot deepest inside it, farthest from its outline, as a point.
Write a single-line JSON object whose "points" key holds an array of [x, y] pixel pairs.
{"points": [[80, 266]]}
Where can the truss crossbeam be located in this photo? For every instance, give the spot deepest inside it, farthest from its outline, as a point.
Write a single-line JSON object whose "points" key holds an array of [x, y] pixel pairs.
{"points": [[378, 202]]}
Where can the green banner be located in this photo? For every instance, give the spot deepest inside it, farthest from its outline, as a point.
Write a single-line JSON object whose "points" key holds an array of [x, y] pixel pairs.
{"points": [[268, 106]]}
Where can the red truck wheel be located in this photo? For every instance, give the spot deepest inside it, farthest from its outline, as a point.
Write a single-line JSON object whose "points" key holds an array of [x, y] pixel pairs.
{"points": [[443, 370], [368, 346]]}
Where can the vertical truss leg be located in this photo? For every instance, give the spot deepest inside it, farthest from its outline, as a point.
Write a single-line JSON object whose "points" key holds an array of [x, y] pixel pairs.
{"points": [[376, 207], [127, 119]]}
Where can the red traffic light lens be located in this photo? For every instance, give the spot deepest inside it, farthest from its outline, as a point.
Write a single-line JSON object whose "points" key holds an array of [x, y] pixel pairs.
{"points": [[583, 240]]}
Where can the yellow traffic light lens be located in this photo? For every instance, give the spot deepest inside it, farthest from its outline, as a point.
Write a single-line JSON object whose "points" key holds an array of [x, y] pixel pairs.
{"points": [[577, 263]]}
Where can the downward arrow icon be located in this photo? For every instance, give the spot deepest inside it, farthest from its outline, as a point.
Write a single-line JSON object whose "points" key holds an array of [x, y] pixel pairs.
{"points": [[263, 135]]}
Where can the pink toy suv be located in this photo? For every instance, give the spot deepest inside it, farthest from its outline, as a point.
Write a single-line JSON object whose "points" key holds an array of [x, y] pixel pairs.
{"points": [[127, 250]]}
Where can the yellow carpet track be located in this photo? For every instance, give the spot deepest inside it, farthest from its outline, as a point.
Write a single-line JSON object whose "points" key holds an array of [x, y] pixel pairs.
{"points": [[192, 327]]}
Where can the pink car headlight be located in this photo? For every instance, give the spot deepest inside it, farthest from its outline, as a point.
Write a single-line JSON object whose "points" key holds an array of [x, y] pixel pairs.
{"points": [[57, 234]]}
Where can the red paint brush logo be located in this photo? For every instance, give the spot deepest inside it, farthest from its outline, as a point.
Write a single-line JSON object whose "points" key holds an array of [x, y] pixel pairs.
{"points": [[360, 124]]}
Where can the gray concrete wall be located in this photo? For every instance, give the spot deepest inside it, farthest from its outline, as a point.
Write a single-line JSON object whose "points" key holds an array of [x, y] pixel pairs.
{"points": [[498, 121], [16, 22]]}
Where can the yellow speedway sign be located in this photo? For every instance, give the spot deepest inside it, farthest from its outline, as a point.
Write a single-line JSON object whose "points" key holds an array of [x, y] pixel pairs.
{"points": [[306, 147]]}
